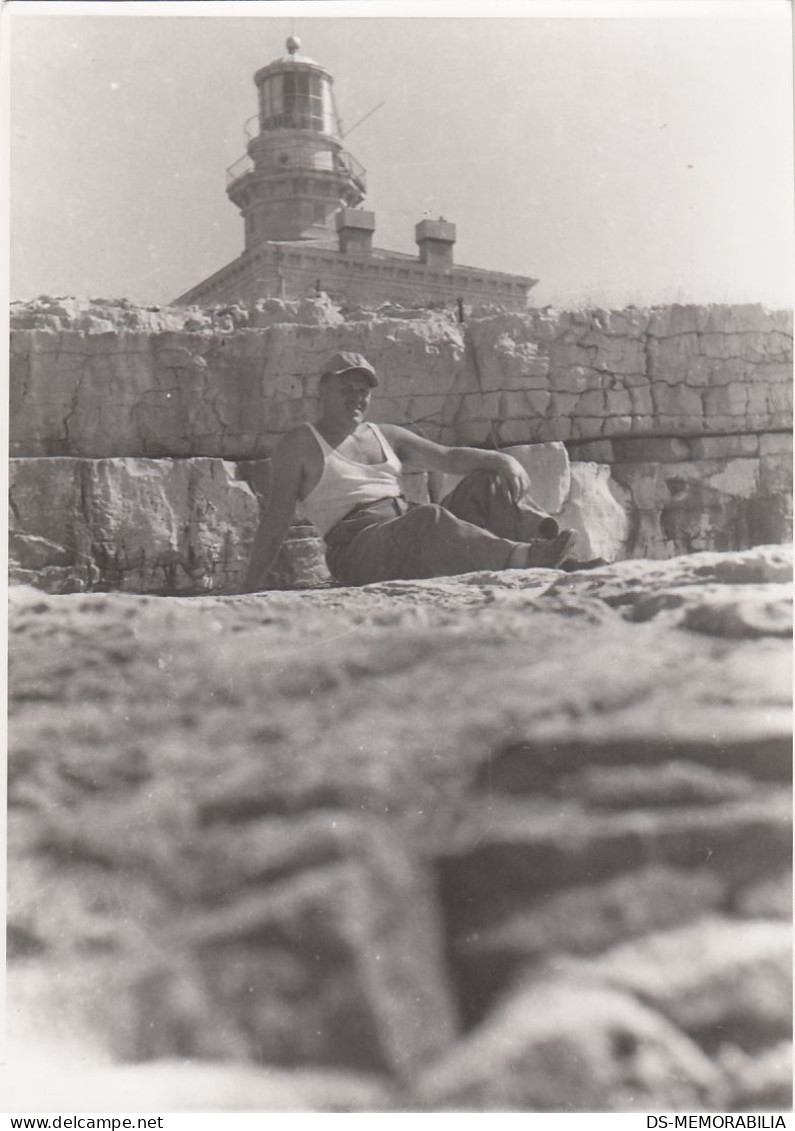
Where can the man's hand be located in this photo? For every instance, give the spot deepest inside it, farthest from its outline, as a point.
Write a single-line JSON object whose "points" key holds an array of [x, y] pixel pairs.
{"points": [[513, 475]]}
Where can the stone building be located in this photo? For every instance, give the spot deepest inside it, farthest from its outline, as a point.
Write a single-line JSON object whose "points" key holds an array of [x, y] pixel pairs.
{"points": [[299, 193]]}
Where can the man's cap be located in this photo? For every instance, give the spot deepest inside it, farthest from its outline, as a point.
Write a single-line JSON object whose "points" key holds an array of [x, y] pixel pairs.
{"points": [[346, 362]]}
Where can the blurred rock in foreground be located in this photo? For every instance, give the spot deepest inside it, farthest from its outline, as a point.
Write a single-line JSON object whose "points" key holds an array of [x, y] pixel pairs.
{"points": [[501, 842]]}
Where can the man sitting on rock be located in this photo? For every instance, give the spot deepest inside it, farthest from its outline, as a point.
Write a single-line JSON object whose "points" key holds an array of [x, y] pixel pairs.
{"points": [[347, 475]]}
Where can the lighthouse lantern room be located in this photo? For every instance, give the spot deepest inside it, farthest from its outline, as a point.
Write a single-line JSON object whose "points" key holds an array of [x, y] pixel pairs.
{"points": [[296, 175]]}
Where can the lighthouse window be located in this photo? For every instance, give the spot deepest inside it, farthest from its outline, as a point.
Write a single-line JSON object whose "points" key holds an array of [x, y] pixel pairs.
{"points": [[295, 100], [303, 101]]}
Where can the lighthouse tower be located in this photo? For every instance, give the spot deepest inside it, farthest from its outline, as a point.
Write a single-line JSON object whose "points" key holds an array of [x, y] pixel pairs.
{"points": [[295, 176]]}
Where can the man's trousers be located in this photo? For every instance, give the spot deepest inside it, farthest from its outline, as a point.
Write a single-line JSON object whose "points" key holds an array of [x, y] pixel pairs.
{"points": [[476, 527]]}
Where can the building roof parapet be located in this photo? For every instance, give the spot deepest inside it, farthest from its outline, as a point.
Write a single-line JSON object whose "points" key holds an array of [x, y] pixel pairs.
{"points": [[468, 278], [385, 253], [406, 258]]}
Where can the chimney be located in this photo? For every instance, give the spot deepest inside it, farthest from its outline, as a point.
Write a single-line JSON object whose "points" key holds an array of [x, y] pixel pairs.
{"points": [[436, 239], [355, 228]]}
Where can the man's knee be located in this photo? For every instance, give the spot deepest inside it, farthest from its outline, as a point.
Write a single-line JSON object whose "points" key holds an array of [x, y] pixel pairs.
{"points": [[429, 514], [481, 484]]}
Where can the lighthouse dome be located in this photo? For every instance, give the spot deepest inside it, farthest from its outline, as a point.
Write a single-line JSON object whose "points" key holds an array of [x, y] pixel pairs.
{"points": [[293, 56]]}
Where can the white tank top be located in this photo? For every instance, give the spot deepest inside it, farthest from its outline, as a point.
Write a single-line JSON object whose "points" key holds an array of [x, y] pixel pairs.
{"points": [[346, 484]]}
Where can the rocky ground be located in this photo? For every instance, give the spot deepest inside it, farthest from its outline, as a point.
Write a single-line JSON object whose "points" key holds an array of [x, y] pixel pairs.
{"points": [[503, 842]]}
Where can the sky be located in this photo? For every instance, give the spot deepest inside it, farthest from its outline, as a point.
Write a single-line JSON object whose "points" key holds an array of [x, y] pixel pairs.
{"points": [[617, 160]]}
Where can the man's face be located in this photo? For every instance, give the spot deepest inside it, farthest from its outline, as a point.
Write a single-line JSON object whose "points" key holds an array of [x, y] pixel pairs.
{"points": [[346, 395]]}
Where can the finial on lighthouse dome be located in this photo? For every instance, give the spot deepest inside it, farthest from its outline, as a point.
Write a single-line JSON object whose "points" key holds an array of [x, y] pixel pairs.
{"points": [[293, 44]]}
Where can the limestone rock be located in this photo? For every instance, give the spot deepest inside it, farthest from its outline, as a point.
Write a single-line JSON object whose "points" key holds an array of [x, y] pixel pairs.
{"points": [[741, 595], [759, 613], [177, 525], [187, 394], [505, 911], [589, 917], [718, 980], [721, 610], [703, 504], [549, 471], [760, 1081], [265, 829], [638, 579], [101, 316], [776, 443], [768, 898], [595, 512], [559, 1046], [86, 1083], [293, 955], [106, 379], [160, 526], [674, 783]]}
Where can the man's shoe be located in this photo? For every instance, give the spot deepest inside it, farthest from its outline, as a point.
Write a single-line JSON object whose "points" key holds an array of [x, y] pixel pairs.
{"points": [[548, 553], [571, 565]]}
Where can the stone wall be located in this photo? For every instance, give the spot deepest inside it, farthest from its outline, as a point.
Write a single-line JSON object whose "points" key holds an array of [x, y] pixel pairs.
{"points": [[690, 407], [95, 381]]}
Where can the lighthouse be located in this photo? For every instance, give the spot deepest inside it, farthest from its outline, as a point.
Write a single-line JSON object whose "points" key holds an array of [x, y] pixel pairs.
{"points": [[299, 191], [295, 176]]}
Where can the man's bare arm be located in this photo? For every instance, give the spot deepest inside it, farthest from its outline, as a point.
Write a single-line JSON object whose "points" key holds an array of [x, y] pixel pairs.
{"points": [[418, 454], [287, 469]]}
